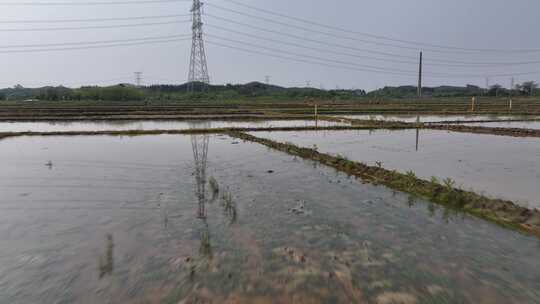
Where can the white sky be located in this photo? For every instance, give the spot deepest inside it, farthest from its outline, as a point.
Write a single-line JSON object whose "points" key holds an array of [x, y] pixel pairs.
{"points": [[499, 24]]}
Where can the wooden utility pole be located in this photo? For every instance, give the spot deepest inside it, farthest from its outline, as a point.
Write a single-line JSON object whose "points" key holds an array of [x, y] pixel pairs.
{"points": [[420, 77]]}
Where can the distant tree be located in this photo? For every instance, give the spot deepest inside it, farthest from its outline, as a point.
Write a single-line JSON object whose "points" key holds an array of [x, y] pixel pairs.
{"points": [[495, 90], [2, 96], [528, 87]]}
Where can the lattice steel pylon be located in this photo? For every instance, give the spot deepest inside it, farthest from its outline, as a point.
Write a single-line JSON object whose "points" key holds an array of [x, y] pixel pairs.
{"points": [[198, 69], [199, 144]]}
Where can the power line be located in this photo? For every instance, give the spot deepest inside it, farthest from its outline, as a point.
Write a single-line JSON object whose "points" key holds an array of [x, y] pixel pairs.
{"points": [[304, 46], [317, 31], [166, 79], [83, 3], [352, 66], [93, 27], [381, 36], [307, 39], [35, 83], [92, 19], [301, 60], [90, 47], [264, 38], [309, 56], [427, 61], [93, 42], [333, 61]]}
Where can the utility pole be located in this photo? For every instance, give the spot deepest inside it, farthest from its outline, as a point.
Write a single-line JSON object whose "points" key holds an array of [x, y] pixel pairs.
{"points": [[420, 77], [487, 85], [138, 78], [198, 69], [511, 92]]}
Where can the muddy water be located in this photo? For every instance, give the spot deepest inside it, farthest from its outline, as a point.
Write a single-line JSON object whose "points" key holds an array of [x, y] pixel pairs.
{"points": [[55, 126], [498, 166], [117, 220], [510, 124], [434, 118]]}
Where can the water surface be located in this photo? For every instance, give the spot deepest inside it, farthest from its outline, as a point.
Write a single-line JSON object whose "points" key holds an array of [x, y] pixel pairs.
{"points": [[508, 124], [112, 125], [434, 118], [123, 220], [498, 166]]}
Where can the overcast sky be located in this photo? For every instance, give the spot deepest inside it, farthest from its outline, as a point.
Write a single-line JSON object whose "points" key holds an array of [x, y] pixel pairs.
{"points": [[471, 24]]}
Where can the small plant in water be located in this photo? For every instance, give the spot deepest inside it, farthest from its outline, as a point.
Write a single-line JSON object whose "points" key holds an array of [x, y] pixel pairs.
{"points": [[214, 186], [106, 264], [206, 247], [410, 178], [411, 200], [449, 183], [410, 174], [341, 157], [229, 207]]}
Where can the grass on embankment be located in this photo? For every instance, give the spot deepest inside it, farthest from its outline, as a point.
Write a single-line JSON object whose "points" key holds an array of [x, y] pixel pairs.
{"points": [[515, 132]]}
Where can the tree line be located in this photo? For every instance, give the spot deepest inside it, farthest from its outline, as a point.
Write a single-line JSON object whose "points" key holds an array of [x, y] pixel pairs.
{"points": [[249, 91]]}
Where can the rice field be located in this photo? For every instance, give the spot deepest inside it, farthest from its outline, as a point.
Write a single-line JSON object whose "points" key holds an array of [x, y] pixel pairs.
{"points": [[209, 218]]}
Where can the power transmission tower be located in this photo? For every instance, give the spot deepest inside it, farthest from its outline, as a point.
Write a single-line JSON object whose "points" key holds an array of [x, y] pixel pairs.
{"points": [[512, 84], [420, 77], [267, 79], [138, 79], [308, 84], [198, 69]]}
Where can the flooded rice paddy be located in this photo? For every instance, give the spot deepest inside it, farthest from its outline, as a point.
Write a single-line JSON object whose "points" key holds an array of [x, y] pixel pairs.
{"points": [[111, 125], [435, 118], [497, 166], [207, 219], [508, 124]]}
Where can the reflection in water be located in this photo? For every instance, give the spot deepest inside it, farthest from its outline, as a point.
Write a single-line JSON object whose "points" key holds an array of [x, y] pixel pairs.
{"points": [[417, 138], [106, 263], [199, 144], [205, 249], [417, 131]]}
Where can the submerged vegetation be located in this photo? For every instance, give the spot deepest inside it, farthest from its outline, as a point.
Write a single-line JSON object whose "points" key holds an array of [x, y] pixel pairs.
{"points": [[214, 187], [227, 202], [229, 207], [505, 213]]}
